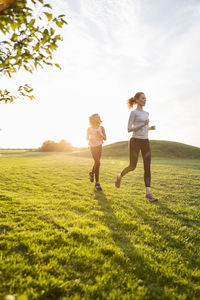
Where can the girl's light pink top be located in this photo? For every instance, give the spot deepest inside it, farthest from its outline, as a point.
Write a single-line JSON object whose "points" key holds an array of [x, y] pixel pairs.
{"points": [[94, 139]]}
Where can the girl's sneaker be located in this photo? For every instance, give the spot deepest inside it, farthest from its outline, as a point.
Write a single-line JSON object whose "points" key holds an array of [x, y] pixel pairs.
{"points": [[150, 197], [91, 176], [118, 181], [98, 187]]}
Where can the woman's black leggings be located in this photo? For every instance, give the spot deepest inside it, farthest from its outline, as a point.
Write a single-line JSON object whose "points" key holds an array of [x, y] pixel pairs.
{"points": [[135, 145], [96, 154]]}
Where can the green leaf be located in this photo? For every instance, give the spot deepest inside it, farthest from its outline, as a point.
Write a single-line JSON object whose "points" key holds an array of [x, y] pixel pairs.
{"points": [[58, 66], [57, 37], [47, 5], [14, 37], [59, 23], [32, 22], [48, 15]]}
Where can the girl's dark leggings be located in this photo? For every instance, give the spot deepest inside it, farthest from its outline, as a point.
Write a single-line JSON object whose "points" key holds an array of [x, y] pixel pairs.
{"points": [[135, 145], [96, 154]]}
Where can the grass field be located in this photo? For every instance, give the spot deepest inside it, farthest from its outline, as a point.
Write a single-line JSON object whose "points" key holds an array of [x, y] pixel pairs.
{"points": [[59, 239]]}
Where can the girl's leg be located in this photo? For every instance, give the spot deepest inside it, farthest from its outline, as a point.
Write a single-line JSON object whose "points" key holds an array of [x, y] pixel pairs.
{"points": [[91, 173], [96, 153], [98, 163], [93, 169]]}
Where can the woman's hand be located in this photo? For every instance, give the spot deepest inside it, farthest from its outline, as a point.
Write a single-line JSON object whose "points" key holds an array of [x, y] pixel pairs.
{"points": [[152, 127], [146, 122]]}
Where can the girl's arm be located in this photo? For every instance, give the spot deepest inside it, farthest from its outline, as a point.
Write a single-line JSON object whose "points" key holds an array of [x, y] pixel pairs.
{"points": [[88, 134], [104, 133]]}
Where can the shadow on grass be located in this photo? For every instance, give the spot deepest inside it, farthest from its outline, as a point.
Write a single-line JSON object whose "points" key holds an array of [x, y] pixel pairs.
{"points": [[185, 221], [138, 264], [178, 245], [9, 201], [174, 243], [5, 198]]}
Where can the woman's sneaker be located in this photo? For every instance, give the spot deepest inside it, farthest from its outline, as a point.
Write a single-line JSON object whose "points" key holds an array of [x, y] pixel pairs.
{"points": [[91, 176], [150, 197], [98, 187], [118, 181]]}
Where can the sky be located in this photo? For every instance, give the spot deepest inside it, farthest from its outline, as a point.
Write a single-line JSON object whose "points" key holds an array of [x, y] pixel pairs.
{"points": [[111, 50]]}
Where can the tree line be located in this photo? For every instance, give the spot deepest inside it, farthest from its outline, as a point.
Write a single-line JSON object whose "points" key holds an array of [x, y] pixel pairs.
{"points": [[51, 146]]}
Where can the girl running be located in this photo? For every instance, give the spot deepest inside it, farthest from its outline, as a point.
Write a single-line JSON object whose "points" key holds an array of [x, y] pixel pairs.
{"points": [[139, 124], [95, 136]]}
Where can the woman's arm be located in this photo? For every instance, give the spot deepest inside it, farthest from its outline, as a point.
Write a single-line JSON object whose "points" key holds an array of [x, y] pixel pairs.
{"points": [[152, 127], [131, 121], [131, 126]]}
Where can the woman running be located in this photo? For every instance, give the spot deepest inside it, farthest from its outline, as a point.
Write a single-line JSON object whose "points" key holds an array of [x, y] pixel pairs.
{"points": [[139, 124], [95, 136]]}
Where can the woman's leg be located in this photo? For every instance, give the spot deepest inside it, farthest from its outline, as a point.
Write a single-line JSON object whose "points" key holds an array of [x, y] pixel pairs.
{"points": [[146, 155], [134, 149]]}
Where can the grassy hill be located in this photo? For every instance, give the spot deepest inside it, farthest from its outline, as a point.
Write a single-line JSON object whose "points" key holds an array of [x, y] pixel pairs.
{"points": [[164, 149], [60, 240]]}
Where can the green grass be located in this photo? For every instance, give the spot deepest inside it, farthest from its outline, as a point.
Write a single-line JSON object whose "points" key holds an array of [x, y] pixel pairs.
{"points": [[59, 239]]}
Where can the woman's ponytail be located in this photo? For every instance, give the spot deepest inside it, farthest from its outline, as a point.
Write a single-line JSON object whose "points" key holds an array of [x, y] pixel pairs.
{"points": [[133, 100]]}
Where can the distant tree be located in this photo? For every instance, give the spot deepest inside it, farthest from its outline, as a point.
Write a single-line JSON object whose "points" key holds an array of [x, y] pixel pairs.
{"points": [[51, 146], [30, 36], [65, 146], [47, 146]]}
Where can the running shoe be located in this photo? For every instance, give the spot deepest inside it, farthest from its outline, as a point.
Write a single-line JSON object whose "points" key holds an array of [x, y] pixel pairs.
{"points": [[91, 176], [98, 187], [118, 181], [150, 197]]}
